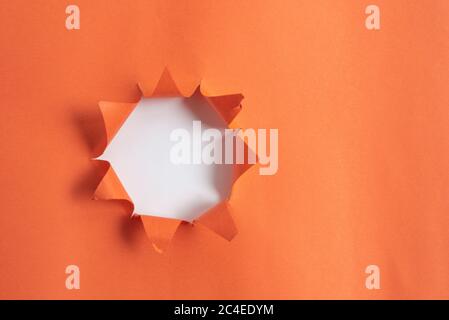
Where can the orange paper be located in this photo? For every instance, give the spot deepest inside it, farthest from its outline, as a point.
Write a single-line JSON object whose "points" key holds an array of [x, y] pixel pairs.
{"points": [[363, 123]]}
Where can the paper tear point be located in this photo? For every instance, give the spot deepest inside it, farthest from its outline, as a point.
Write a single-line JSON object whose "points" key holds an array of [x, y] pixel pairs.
{"points": [[160, 231], [114, 115], [166, 86]]}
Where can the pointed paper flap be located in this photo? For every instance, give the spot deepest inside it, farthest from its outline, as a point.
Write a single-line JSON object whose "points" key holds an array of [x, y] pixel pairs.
{"points": [[219, 220], [166, 87], [160, 231], [227, 106], [114, 115], [110, 188]]}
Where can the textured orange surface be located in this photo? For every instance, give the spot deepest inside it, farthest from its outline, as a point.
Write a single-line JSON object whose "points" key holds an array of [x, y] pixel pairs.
{"points": [[363, 123]]}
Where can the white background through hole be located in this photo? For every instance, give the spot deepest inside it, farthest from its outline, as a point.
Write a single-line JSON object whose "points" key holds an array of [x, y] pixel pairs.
{"points": [[140, 156]]}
